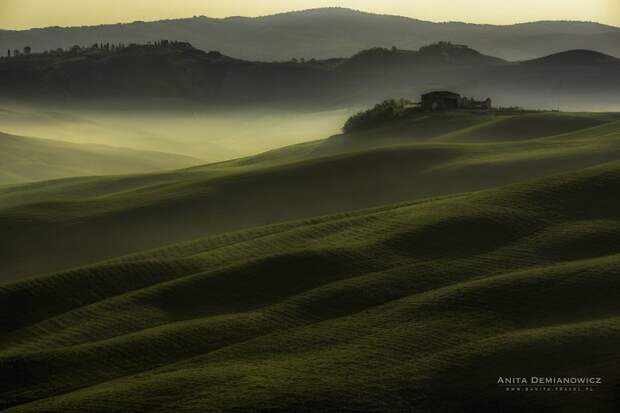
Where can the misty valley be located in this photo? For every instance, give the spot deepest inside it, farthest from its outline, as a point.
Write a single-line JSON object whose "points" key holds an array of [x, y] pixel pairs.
{"points": [[38, 138]]}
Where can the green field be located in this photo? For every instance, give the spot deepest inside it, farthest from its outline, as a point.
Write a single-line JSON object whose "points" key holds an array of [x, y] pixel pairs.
{"points": [[96, 218], [400, 269]]}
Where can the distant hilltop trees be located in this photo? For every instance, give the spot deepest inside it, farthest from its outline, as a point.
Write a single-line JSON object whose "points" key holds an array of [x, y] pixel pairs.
{"points": [[434, 48], [443, 45], [107, 47], [103, 47], [16, 52]]}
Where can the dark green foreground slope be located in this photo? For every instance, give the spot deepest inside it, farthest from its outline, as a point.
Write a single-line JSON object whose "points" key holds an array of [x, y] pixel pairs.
{"points": [[413, 307], [55, 225]]}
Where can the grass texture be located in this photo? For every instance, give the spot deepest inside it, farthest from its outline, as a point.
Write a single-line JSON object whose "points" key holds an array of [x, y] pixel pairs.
{"points": [[417, 306]]}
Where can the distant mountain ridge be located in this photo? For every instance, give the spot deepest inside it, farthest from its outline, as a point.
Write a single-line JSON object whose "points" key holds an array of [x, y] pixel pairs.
{"points": [[329, 32], [176, 70]]}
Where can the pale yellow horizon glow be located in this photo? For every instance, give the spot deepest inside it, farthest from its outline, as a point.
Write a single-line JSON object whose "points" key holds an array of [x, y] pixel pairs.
{"points": [[24, 14]]}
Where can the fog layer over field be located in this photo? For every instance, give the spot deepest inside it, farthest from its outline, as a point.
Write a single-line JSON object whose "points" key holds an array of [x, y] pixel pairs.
{"points": [[210, 136]]}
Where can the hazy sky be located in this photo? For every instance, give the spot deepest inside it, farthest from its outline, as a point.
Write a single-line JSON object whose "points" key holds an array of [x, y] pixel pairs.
{"points": [[20, 14]]}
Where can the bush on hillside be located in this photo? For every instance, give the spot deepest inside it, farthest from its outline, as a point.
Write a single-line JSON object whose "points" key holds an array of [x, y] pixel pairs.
{"points": [[385, 111]]}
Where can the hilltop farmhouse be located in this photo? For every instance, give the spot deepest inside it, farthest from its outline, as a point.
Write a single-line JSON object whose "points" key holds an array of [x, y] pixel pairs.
{"points": [[444, 100]]}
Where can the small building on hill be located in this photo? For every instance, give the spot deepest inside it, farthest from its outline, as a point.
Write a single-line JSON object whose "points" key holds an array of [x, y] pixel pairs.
{"points": [[444, 100]]}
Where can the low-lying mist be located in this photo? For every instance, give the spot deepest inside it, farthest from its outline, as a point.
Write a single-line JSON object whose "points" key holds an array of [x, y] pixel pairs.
{"points": [[208, 135]]}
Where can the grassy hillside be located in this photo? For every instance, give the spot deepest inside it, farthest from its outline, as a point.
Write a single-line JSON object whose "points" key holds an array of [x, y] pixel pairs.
{"points": [[31, 159], [72, 222], [412, 307]]}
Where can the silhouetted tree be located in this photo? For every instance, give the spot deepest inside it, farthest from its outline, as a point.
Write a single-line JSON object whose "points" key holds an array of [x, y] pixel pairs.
{"points": [[27, 50], [382, 112]]}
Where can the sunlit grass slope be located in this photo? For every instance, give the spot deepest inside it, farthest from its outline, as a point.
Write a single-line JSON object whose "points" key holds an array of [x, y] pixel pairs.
{"points": [[25, 159], [412, 307], [59, 224]]}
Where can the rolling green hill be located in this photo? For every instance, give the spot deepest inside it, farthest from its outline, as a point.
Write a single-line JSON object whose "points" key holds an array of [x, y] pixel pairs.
{"points": [[73, 222], [25, 159], [418, 306]]}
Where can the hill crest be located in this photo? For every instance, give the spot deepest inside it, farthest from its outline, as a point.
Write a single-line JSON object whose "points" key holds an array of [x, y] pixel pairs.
{"points": [[342, 32], [576, 57]]}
